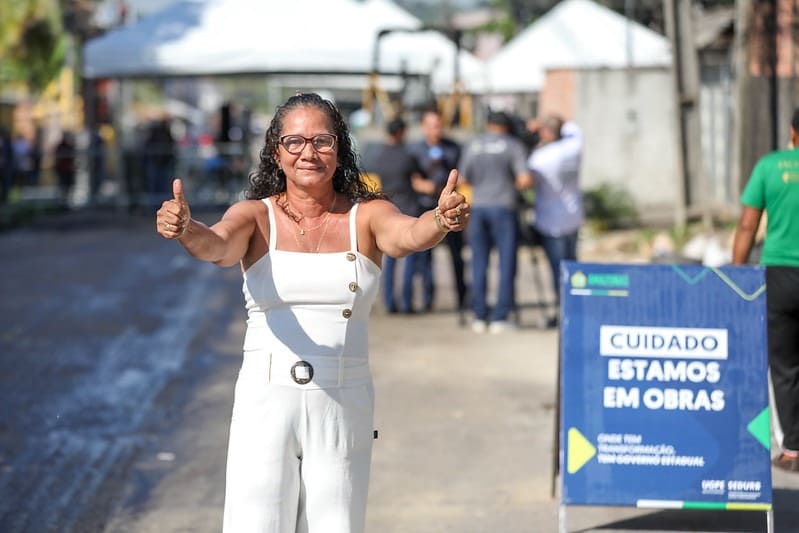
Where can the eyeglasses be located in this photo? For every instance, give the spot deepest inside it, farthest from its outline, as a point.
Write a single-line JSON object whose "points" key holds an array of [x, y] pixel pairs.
{"points": [[295, 144]]}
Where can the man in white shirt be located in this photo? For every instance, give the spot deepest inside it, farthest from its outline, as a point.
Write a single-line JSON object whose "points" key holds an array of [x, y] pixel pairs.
{"points": [[555, 165]]}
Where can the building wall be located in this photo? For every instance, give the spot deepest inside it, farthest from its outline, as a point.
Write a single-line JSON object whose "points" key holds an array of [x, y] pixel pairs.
{"points": [[773, 35], [717, 133], [557, 96], [772, 57], [628, 118]]}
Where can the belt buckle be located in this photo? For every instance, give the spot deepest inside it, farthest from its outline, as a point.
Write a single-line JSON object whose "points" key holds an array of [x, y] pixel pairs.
{"points": [[302, 372]]}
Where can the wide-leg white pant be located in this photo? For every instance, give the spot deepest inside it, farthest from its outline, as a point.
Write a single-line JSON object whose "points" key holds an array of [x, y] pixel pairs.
{"points": [[298, 459]]}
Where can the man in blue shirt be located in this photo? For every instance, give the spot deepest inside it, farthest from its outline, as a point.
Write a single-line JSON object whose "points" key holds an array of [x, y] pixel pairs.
{"points": [[436, 155]]}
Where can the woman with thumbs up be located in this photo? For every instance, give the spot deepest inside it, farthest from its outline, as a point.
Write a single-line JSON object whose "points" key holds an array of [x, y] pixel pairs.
{"points": [[309, 240]]}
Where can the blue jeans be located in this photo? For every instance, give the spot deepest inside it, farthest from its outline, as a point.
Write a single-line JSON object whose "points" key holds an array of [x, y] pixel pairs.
{"points": [[491, 227], [422, 266], [454, 240], [557, 249], [413, 264], [6, 181], [389, 268], [159, 181]]}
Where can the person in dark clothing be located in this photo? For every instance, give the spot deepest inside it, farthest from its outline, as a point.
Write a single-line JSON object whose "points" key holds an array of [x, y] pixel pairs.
{"points": [[436, 155], [6, 165], [400, 180], [24, 172], [159, 152], [96, 162], [65, 163]]}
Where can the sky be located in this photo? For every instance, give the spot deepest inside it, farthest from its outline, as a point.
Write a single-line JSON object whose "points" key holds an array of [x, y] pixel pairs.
{"points": [[107, 12]]}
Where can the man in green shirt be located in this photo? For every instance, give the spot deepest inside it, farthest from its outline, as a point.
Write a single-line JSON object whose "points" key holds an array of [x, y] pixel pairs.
{"points": [[774, 187]]}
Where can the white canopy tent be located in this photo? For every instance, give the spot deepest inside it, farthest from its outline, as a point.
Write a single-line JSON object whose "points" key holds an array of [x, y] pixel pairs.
{"points": [[575, 33], [223, 37]]}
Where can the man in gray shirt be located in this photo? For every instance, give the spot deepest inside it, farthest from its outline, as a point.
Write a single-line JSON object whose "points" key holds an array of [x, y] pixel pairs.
{"points": [[401, 180], [495, 164]]}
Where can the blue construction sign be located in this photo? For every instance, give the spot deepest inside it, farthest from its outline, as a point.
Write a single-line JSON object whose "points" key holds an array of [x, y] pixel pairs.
{"points": [[664, 395]]}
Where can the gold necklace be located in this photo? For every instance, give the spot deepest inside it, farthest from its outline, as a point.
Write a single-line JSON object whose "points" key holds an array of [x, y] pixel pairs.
{"points": [[301, 245], [303, 230], [324, 232], [287, 209]]}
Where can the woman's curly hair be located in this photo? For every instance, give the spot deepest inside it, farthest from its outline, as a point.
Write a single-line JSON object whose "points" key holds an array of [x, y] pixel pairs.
{"points": [[268, 179]]}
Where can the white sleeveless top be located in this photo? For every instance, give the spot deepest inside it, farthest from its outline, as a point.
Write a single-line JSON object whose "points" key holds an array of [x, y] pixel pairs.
{"points": [[311, 305]]}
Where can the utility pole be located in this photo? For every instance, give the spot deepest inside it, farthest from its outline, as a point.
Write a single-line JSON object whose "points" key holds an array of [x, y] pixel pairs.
{"points": [[763, 32], [742, 124], [772, 35], [677, 15]]}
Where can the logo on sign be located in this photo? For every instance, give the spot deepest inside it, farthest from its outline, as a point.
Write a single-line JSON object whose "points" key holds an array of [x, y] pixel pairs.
{"points": [[578, 280], [600, 284], [713, 486]]}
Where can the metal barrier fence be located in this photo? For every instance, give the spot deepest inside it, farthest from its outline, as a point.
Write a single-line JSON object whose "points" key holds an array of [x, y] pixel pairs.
{"points": [[128, 178]]}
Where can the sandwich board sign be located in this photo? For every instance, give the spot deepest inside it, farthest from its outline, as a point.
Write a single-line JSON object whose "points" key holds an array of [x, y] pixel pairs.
{"points": [[664, 391]]}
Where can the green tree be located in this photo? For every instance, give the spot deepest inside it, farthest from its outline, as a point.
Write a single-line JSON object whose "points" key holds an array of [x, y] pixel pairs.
{"points": [[31, 42], [518, 14]]}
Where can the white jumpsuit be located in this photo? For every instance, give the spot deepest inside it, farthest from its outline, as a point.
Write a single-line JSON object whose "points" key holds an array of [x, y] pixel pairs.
{"points": [[301, 431]]}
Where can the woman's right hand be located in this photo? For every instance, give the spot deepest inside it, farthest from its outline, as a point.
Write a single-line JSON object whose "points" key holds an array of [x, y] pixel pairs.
{"points": [[173, 218]]}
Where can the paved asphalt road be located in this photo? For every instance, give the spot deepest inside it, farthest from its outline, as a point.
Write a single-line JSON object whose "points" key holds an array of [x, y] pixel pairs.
{"points": [[117, 359]]}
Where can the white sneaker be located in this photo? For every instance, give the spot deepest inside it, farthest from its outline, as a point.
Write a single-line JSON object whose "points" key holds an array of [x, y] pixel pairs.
{"points": [[479, 326], [500, 326]]}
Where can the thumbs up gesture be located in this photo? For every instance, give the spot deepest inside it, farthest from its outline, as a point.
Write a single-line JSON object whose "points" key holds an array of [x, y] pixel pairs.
{"points": [[174, 216], [452, 210]]}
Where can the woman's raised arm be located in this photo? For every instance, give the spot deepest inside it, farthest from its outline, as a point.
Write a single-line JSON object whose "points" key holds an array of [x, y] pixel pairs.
{"points": [[399, 235], [223, 244]]}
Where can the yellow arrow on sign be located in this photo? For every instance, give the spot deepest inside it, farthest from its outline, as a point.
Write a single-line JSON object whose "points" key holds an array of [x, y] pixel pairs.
{"points": [[579, 452]]}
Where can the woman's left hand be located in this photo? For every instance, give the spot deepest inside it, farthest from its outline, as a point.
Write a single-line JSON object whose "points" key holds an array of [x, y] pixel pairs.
{"points": [[452, 205]]}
